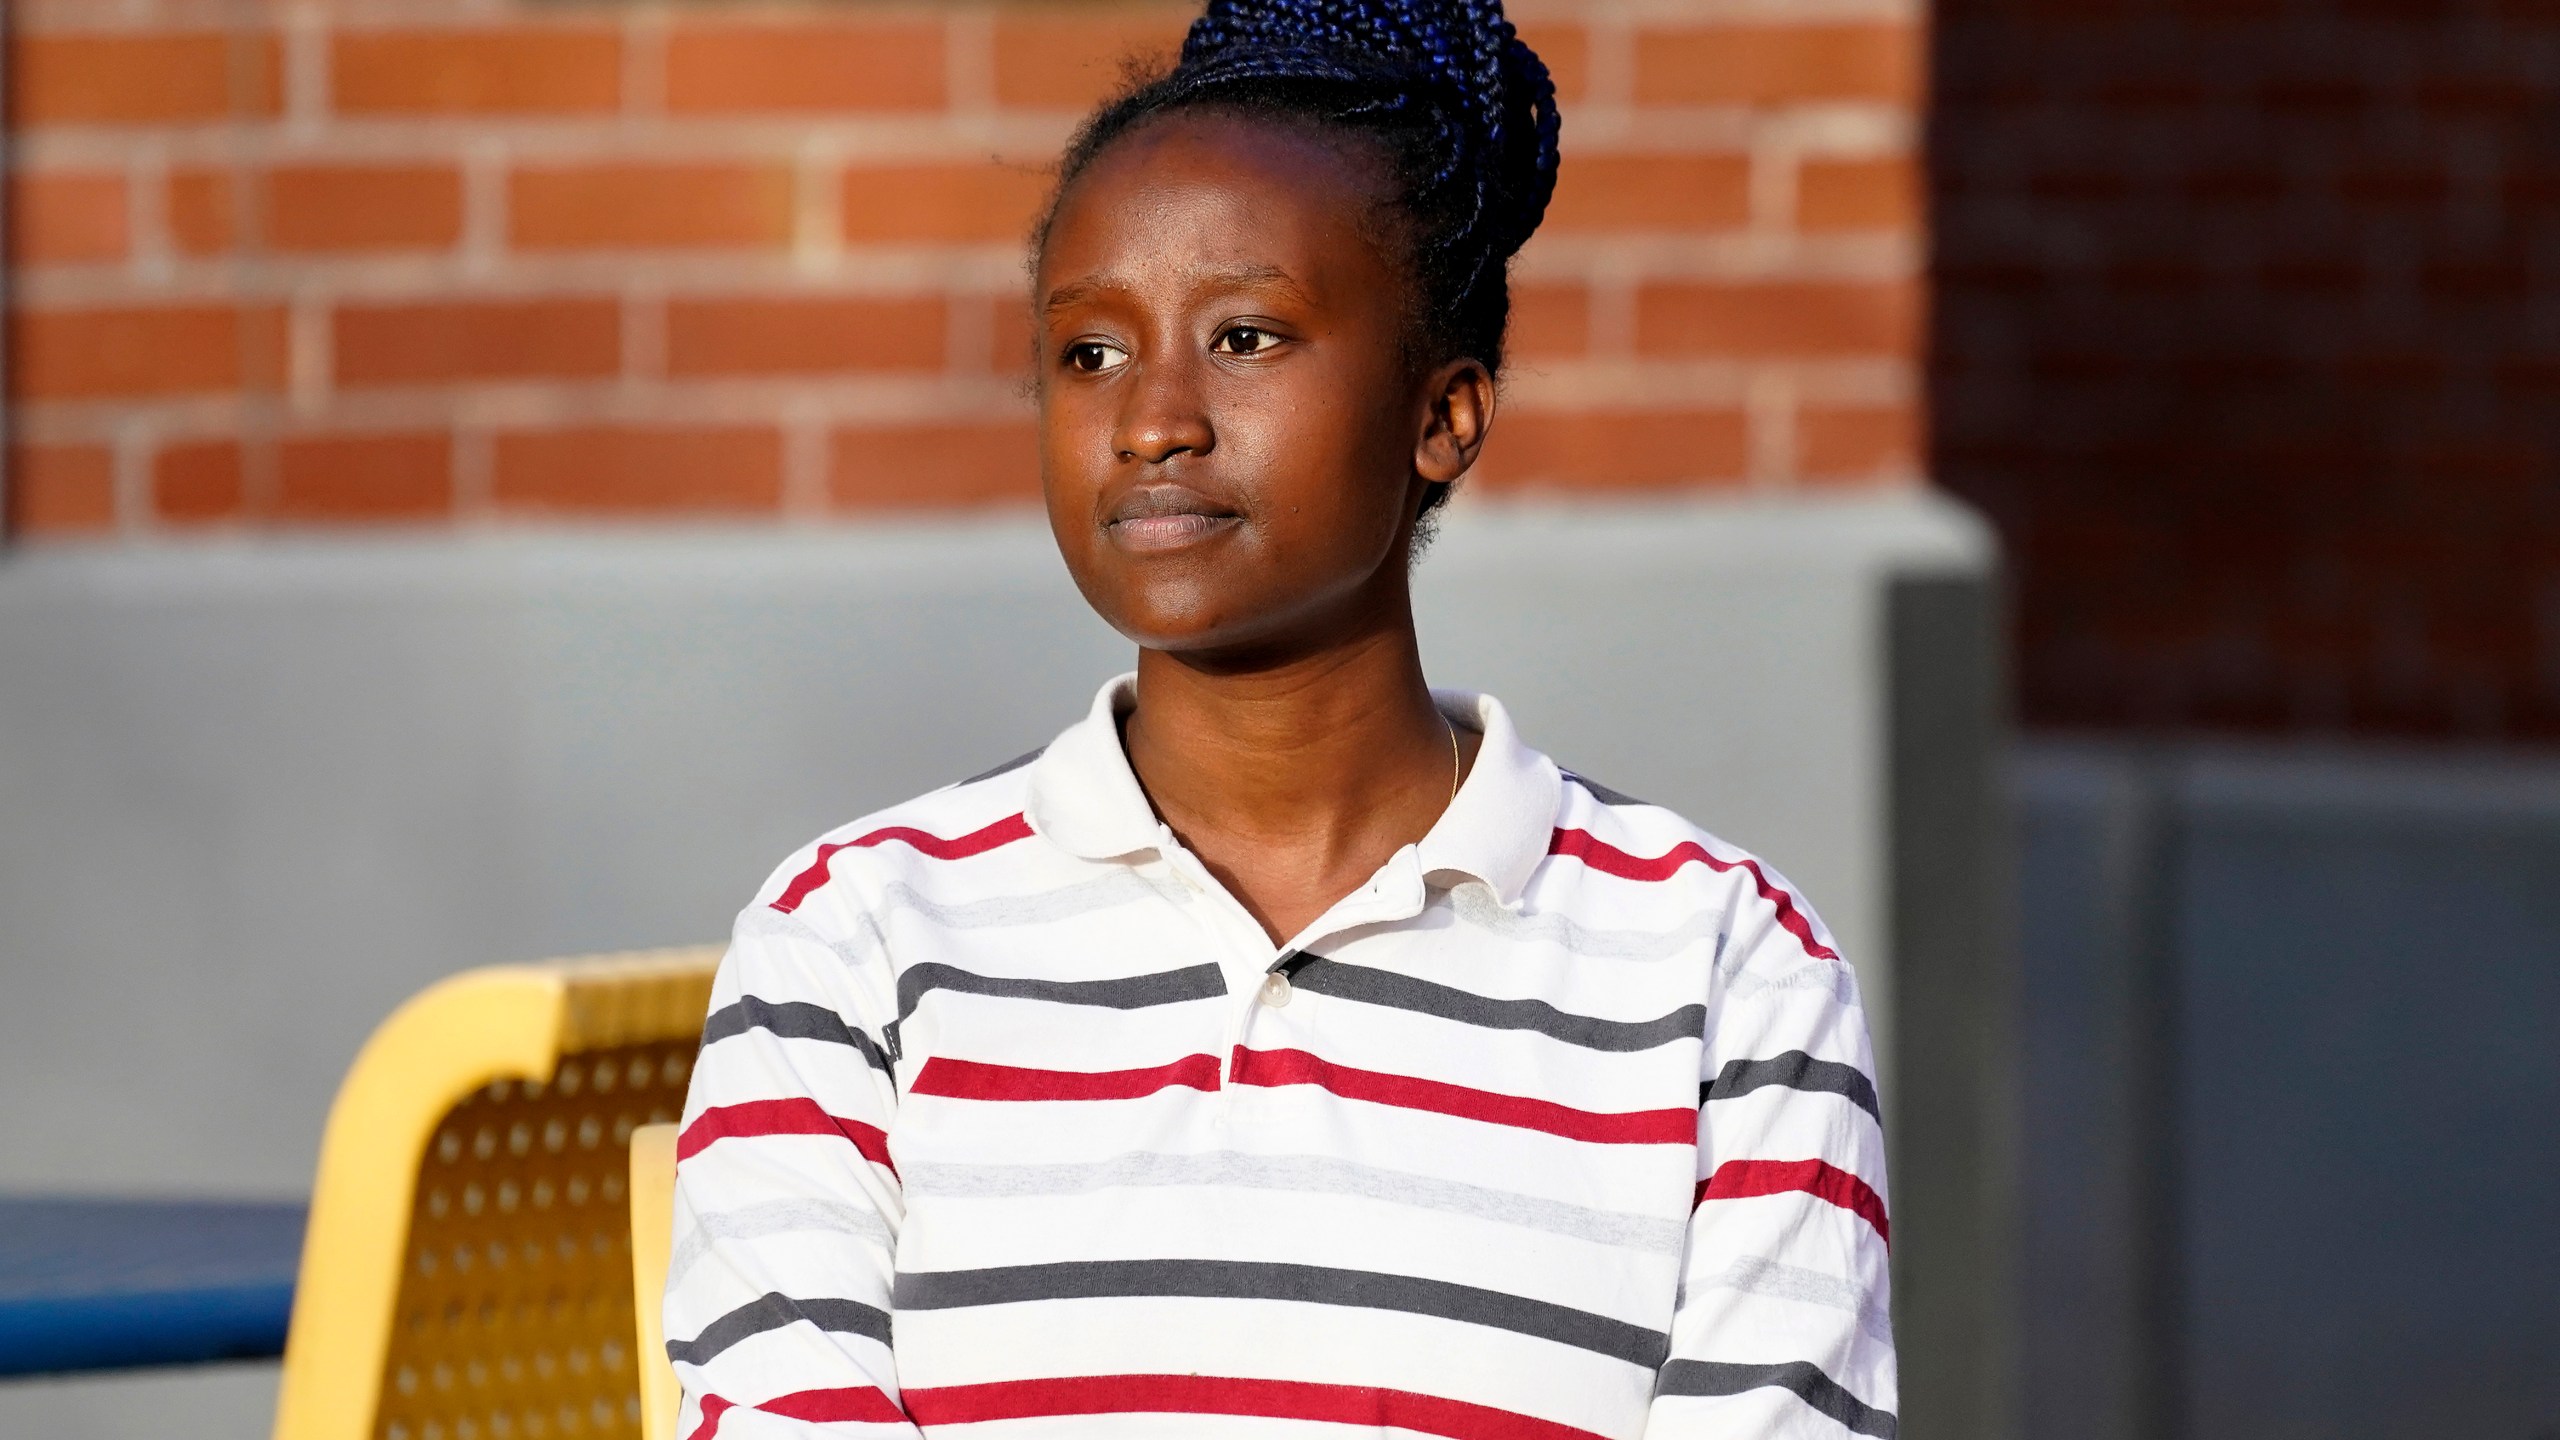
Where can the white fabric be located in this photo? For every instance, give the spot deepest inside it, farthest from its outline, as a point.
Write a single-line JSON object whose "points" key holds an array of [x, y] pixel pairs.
{"points": [[995, 1126]]}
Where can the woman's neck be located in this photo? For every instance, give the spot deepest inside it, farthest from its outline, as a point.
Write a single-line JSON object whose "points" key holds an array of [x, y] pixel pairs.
{"points": [[1295, 781]]}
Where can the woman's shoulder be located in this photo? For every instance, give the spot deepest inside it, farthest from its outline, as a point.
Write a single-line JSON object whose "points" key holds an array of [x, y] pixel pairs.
{"points": [[1606, 832], [1591, 816], [914, 840]]}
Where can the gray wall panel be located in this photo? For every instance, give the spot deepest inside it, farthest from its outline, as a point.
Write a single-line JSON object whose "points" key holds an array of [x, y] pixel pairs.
{"points": [[2347, 1117], [253, 793]]}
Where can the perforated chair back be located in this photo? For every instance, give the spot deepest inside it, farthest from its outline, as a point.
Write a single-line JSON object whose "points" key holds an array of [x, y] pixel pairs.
{"points": [[466, 1274], [653, 1219]]}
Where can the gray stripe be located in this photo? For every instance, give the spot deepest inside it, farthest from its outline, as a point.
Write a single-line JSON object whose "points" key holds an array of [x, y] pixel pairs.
{"points": [[1474, 904], [1603, 793], [773, 1312], [1826, 976], [1405, 992], [1128, 992], [774, 1217], [792, 1020], [1304, 1284], [1754, 1275], [1120, 886], [854, 950], [1807, 1382], [1797, 1071], [1302, 1174]]}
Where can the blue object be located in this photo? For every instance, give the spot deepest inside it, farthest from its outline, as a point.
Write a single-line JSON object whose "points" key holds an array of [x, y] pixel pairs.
{"points": [[98, 1284]]}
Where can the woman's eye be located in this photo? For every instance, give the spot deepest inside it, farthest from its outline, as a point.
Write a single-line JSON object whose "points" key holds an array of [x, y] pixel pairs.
{"points": [[1245, 340], [1095, 356]]}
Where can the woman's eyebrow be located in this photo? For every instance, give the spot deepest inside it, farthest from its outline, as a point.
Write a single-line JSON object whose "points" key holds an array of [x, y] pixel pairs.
{"points": [[1074, 292], [1204, 278]]}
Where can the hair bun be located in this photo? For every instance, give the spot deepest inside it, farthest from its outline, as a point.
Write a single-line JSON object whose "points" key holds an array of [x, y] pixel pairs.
{"points": [[1460, 60]]}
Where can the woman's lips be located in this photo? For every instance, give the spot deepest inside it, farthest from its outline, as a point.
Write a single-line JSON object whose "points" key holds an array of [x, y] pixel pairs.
{"points": [[1166, 517], [1166, 532]]}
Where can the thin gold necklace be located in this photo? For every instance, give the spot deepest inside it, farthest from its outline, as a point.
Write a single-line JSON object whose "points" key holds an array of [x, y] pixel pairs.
{"points": [[1454, 765]]}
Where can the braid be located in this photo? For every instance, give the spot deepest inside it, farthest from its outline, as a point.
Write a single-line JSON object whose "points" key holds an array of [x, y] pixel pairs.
{"points": [[1465, 112]]}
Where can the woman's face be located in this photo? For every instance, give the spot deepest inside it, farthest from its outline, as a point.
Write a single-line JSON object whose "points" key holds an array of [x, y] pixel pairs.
{"points": [[1233, 444]]}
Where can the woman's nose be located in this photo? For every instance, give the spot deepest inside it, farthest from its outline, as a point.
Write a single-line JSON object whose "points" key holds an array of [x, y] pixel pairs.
{"points": [[1165, 416]]}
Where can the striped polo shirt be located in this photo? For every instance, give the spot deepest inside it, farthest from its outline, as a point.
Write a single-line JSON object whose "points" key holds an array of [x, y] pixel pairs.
{"points": [[1011, 1122]]}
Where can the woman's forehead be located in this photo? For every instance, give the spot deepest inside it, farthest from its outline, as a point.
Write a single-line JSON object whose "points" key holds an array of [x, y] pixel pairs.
{"points": [[1216, 192]]}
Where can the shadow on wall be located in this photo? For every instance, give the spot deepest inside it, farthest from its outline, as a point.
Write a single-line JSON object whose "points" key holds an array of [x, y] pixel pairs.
{"points": [[2327, 980], [2245, 335]]}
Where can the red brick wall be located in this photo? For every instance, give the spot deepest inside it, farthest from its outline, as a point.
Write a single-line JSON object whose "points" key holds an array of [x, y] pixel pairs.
{"points": [[455, 261], [2248, 336]]}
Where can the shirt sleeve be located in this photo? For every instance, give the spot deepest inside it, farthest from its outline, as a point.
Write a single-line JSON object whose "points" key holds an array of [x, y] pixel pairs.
{"points": [[787, 1204], [1782, 1324]]}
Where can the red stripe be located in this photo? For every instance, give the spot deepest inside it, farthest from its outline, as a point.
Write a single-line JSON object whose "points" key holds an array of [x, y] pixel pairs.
{"points": [[1608, 859], [1741, 1179], [1297, 1067], [854, 1402], [976, 842], [859, 1402], [1361, 1405], [974, 1080], [713, 1407], [796, 1116]]}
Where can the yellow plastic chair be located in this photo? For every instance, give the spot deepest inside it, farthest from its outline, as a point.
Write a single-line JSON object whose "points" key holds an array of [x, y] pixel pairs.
{"points": [[466, 1274], [653, 1223]]}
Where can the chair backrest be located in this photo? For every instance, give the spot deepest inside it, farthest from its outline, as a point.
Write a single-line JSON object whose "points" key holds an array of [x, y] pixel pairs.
{"points": [[653, 1223], [464, 1276]]}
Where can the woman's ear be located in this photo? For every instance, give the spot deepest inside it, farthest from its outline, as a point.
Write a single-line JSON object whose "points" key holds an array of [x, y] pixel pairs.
{"points": [[1460, 399]]}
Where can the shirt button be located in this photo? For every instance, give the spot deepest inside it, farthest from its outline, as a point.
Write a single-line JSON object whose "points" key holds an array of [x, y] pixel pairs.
{"points": [[1275, 990]]}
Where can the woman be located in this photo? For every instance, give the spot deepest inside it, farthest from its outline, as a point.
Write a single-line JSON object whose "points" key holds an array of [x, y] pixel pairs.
{"points": [[1286, 1047]]}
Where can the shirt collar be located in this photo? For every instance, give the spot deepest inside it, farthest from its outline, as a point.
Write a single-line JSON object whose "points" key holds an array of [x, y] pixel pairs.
{"points": [[1503, 819], [1084, 798]]}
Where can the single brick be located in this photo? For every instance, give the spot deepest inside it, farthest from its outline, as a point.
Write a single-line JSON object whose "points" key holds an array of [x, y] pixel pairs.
{"points": [[1548, 322], [650, 207], [930, 466], [885, 204], [1857, 443], [141, 78], [804, 334], [2165, 277], [1870, 194], [1566, 49], [640, 470], [1057, 60], [58, 217], [733, 67], [1777, 64], [443, 341], [516, 68], [1651, 192], [1778, 318], [2500, 99], [364, 207], [2072, 184], [197, 482], [61, 489], [155, 350], [204, 210], [364, 479], [2232, 183], [2377, 187], [1615, 450]]}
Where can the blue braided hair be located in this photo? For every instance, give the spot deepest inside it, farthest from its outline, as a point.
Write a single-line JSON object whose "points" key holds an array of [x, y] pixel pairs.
{"points": [[1464, 112]]}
